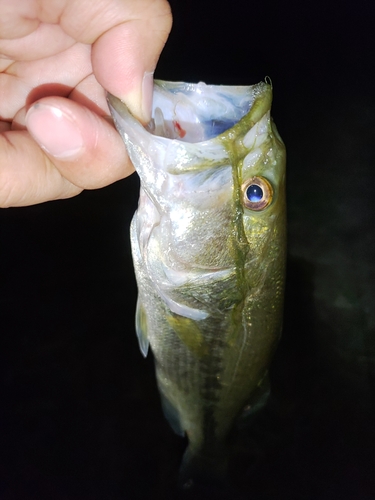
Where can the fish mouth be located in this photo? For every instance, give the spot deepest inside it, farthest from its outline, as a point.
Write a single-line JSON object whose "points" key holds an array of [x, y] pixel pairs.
{"points": [[193, 113]]}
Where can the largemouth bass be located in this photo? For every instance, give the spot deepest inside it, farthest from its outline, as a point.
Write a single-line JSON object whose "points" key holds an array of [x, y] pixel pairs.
{"points": [[209, 245]]}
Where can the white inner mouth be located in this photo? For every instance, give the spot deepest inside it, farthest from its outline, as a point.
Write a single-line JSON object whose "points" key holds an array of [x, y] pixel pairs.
{"points": [[197, 112]]}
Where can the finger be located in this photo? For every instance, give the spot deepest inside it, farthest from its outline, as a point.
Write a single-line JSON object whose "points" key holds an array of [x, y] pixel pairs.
{"points": [[32, 46], [80, 150], [83, 146], [127, 38], [17, 19], [124, 57], [25, 26], [25, 81], [27, 176]]}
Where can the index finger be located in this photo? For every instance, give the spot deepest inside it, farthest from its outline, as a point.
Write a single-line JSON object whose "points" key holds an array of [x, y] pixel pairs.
{"points": [[127, 38]]}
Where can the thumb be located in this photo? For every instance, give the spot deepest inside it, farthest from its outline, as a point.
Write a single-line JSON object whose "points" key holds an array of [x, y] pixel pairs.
{"points": [[84, 147], [124, 57]]}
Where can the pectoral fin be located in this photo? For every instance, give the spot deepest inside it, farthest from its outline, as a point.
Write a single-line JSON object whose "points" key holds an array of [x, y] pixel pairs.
{"points": [[189, 333], [141, 328]]}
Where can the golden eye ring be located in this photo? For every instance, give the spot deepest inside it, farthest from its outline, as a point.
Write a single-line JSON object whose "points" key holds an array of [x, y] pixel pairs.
{"points": [[257, 193]]}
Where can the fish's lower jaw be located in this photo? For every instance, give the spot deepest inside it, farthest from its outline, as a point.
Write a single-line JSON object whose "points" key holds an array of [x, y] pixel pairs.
{"points": [[201, 470]]}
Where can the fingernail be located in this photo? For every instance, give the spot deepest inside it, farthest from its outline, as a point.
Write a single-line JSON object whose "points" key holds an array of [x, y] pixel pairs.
{"points": [[147, 94], [54, 130]]}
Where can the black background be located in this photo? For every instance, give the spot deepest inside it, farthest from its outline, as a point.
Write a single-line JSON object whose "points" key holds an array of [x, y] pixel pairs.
{"points": [[79, 412]]}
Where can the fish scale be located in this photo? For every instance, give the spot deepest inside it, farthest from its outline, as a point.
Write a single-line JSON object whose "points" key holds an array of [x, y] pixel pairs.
{"points": [[209, 262]]}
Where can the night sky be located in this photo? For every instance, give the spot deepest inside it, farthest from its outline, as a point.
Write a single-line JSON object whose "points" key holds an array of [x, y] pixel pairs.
{"points": [[80, 417]]}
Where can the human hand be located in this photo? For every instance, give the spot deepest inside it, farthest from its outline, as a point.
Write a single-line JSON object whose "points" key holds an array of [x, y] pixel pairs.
{"points": [[56, 58]]}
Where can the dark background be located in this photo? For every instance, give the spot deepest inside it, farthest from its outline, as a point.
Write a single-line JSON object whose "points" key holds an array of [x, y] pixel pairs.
{"points": [[79, 409]]}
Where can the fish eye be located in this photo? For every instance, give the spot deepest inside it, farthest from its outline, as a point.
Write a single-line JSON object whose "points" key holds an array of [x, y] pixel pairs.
{"points": [[257, 193]]}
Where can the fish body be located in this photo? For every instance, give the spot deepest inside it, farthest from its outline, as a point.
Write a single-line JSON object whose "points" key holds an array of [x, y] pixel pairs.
{"points": [[209, 245]]}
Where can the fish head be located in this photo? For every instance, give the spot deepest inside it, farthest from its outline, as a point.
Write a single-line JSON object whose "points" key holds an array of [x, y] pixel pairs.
{"points": [[212, 167]]}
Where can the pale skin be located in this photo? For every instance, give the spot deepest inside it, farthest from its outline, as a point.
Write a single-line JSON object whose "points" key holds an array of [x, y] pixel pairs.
{"points": [[56, 59]]}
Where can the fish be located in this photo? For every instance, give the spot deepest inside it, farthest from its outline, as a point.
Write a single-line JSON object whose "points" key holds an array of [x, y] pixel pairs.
{"points": [[209, 250]]}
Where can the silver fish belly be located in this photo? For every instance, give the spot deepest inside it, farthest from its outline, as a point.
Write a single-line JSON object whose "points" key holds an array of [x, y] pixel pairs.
{"points": [[209, 246]]}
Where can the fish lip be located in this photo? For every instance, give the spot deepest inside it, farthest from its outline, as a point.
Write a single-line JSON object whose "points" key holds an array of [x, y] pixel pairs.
{"points": [[116, 103], [260, 105]]}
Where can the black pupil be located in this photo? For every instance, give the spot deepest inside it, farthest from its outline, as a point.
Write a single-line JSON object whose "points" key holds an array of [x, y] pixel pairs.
{"points": [[254, 193]]}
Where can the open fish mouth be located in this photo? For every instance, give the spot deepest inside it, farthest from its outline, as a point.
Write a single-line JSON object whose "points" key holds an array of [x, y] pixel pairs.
{"points": [[198, 112]]}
